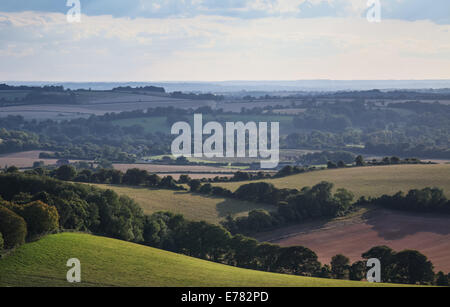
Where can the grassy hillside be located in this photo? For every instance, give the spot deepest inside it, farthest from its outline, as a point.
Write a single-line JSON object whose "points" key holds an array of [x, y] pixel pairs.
{"points": [[369, 181], [109, 262], [193, 207], [362, 181]]}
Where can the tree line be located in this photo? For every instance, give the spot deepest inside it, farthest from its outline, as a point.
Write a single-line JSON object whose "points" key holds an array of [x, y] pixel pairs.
{"points": [[429, 200]]}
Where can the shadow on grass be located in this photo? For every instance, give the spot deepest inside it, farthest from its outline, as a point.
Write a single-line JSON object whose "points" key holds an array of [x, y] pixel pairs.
{"points": [[230, 206]]}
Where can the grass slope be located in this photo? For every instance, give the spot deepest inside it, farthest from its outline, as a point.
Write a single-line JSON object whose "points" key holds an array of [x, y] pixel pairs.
{"points": [[368, 181], [109, 262], [193, 207]]}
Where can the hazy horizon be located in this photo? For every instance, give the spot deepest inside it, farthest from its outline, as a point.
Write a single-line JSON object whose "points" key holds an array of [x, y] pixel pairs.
{"points": [[254, 85]]}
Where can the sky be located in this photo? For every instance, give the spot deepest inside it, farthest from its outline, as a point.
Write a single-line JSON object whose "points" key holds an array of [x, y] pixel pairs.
{"points": [[217, 40]]}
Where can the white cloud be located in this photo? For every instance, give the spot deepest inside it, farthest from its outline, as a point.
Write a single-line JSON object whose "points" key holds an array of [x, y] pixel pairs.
{"points": [[44, 46]]}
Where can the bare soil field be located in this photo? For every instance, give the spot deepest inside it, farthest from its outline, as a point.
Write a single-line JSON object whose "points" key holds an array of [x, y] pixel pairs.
{"points": [[23, 159], [427, 233]]}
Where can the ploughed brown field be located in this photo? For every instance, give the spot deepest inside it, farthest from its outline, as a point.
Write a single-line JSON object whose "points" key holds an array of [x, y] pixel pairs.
{"points": [[427, 233], [24, 159], [157, 168]]}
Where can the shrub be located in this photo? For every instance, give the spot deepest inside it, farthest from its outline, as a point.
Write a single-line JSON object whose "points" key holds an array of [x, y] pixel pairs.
{"points": [[12, 169], [258, 192], [195, 185], [135, 177], [1, 241], [205, 189], [219, 191], [13, 228], [184, 179]]}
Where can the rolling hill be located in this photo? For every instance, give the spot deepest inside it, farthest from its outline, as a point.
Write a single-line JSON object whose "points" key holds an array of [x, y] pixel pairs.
{"points": [[109, 262], [194, 207], [362, 181], [368, 181]]}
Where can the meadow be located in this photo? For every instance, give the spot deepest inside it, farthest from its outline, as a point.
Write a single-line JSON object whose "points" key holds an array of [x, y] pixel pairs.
{"points": [[194, 207], [367, 181], [108, 262]]}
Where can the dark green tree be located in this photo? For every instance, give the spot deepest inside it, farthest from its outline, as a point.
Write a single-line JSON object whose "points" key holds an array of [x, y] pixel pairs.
{"points": [[205, 188], [40, 218], [153, 180], [359, 161], [12, 169], [358, 271], [442, 279], [412, 267], [184, 179], [243, 252], [385, 255], [298, 260], [66, 172], [268, 257], [135, 177], [340, 267], [195, 185], [325, 272], [331, 165], [12, 227]]}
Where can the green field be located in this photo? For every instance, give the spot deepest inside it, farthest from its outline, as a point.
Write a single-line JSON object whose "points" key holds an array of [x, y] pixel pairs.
{"points": [[362, 181], [368, 181], [150, 125], [193, 207], [109, 262]]}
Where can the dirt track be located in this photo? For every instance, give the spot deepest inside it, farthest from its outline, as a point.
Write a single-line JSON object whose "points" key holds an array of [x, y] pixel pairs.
{"points": [[429, 234]]}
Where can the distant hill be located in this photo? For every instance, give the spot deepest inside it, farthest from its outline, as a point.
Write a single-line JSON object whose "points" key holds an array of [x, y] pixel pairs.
{"points": [[236, 86]]}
